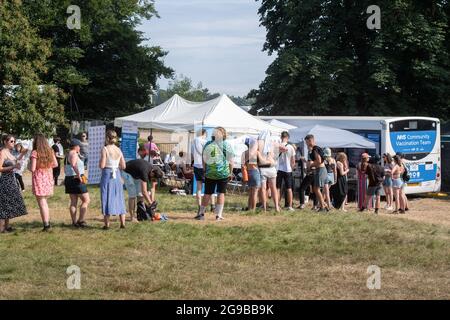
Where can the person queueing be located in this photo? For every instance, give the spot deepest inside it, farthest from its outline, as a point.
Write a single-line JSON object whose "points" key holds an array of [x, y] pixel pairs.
{"points": [[316, 159], [12, 204], [286, 164], [268, 170], [59, 153], [405, 183], [387, 183], [84, 148], [340, 189], [362, 180], [43, 161], [330, 165], [307, 181], [375, 175], [397, 184], [197, 153], [19, 153], [142, 172], [111, 188], [218, 167], [75, 184], [250, 160]]}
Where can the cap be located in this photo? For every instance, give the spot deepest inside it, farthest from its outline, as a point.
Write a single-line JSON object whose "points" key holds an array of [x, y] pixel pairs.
{"points": [[365, 155], [327, 152], [75, 142]]}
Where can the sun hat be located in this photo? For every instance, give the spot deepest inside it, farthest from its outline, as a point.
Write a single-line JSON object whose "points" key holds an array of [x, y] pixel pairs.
{"points": [[75, 142], [327, 152]]}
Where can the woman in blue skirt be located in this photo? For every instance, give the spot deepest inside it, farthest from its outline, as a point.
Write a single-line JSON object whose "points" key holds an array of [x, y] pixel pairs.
{"points": [[111, 162]]}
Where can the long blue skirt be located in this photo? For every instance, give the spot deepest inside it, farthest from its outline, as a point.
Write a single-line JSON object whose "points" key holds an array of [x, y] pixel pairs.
{"points": [[113, 201]]}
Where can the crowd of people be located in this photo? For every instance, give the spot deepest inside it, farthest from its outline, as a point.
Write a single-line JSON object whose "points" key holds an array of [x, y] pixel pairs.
{"points": [[267, 169]]}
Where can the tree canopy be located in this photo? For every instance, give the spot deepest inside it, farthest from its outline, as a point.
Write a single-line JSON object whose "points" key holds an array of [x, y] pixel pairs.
{"points": [[185, 88], [27, 104], [329, 63]]}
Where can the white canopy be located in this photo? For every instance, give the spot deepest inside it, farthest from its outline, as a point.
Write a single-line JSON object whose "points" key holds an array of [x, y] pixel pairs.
{"points": [[178, 113], [331, 137], [281, 124]]}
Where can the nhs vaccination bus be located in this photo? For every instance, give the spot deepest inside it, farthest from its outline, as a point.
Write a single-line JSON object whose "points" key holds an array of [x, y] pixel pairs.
{"points": [[417, 138]]}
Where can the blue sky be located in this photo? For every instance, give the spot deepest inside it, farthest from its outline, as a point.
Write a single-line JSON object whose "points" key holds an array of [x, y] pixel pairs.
{"points": [[217, 42]]}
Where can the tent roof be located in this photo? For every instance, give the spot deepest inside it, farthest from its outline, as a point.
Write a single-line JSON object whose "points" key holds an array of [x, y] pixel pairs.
{"points": [[178, 113], [331, 137], [281, 124]]}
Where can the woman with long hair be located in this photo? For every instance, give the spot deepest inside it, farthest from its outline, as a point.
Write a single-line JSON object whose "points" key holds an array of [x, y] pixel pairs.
{"points": [[340, 189], [12, 204], [387, 183], [43, 161], [362, 180], [330, 165], [397, 184], [111, 187]]}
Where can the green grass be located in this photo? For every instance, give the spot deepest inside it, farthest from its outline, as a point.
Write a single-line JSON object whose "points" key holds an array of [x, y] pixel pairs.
{"points": [[254, 256]]}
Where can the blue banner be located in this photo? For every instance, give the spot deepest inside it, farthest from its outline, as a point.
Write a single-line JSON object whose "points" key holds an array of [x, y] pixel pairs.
{"points": [[421, 172], [129, 145], [413, 141]]}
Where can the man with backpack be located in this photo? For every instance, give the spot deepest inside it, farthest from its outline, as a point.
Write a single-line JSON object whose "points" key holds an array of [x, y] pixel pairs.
{"points": [[375, 175], [316, 160]]}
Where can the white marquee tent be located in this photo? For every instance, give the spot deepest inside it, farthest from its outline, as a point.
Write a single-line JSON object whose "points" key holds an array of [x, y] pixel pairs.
{"points": [[180, 114], [331, 137]]}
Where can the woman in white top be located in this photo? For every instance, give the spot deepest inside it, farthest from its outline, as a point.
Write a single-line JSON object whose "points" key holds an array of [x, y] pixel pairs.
{"points": [[111, 187]]}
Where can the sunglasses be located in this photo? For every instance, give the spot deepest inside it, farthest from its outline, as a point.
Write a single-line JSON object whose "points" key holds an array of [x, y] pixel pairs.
{"points": [[12, 141]]}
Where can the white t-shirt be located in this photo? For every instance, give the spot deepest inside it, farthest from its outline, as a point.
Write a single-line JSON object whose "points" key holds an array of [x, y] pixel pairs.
{"points": [[197, 151], [284, 162]]}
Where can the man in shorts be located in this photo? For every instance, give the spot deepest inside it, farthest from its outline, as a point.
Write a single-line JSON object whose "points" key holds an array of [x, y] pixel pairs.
{"points": [[375, 175], [197, 159], [286, 163], [137, 174], [320, 174]]}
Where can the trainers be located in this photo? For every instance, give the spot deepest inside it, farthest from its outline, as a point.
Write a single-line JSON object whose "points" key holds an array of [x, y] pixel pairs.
{"points": [[290, 209], [376, 211], [323, 210], [200, 217], [219, 218], [302, 206], [46, 228]]}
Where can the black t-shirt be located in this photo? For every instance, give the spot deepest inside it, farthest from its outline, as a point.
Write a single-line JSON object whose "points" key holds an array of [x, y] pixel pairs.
{"points": [[375, 174], [55, 148], [139, 169]]}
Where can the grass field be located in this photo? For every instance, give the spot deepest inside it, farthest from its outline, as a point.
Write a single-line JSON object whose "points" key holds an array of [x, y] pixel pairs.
{"points": [[300, 255]]}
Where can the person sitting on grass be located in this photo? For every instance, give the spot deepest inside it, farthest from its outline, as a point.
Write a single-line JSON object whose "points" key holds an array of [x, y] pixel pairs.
{"points": [[375, 175]]}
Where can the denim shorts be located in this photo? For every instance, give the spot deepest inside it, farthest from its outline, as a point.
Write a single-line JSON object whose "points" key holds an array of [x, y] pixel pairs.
{"points": [[132, 185], [320, 177], [373, 191], [330, 178], [397, 183], [387, 182], [254, 178]]}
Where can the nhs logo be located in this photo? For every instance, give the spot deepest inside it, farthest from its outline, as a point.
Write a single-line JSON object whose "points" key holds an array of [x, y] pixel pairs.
{"points": [[401, 137]]}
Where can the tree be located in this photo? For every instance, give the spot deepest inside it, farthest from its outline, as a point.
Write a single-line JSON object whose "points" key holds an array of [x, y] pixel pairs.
{"points": [[184, 87], [330, 63], [26, 106], [104, 64]]}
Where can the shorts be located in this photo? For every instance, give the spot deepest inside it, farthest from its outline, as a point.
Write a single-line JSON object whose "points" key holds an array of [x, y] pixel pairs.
{"points": [[286, 177], [330, 176], [199, 174], [397, 183], [132, 185], [267, 173], [212, 186], [320, 177], [374, 191], [387, 182], [74, 186], [254, 178]]}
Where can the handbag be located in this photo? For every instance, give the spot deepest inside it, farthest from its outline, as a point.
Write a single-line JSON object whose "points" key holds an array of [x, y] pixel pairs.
{"points": [[244, 173]]}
